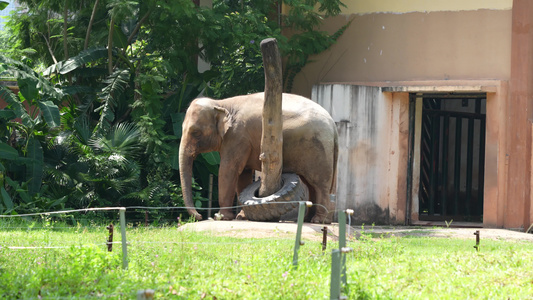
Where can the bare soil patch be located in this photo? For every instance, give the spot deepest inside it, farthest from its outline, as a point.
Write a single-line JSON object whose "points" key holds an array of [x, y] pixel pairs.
{"points": [[313, 232]]}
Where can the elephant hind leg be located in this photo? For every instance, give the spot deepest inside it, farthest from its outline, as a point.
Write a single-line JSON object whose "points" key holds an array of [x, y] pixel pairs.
{"points": [[311, 211], [323, 208]]}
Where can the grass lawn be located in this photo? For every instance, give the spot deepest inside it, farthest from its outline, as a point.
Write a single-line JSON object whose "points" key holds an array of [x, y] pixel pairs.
{"points": [[188, 265]]}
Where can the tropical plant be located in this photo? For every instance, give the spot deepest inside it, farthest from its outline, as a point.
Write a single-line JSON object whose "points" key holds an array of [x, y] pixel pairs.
{"points": [[21, 146], [112, 65]]}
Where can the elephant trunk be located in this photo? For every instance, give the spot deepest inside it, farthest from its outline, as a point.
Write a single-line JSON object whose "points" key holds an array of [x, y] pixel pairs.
{"points": [[185, 161]]}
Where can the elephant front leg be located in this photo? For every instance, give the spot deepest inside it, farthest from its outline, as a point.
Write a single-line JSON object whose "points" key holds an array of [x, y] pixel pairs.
{"points": [[227, 185], [245, 179]]}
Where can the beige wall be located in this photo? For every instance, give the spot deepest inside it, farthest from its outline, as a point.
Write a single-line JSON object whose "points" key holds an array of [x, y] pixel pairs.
{"points": [[436, 45], [433, 46], [403, 6]]}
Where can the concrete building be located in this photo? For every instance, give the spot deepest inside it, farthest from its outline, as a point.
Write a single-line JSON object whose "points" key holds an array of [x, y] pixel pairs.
{"points": [[433, 101]]}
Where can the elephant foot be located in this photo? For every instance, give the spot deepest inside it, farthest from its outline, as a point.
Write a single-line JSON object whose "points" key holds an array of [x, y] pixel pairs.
{"points": [[321, 219], [227, 214], [241, 216], [196, 215]]}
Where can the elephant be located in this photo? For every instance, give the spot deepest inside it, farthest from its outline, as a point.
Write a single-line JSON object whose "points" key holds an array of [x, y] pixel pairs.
{"points": [[233, 127]]}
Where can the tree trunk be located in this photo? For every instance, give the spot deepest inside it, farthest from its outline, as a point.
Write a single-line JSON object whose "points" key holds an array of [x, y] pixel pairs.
{"points": [[272, 139]]}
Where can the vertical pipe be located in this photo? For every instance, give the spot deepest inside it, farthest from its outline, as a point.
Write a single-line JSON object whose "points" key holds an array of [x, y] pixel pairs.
{"points": [[122, 213]]}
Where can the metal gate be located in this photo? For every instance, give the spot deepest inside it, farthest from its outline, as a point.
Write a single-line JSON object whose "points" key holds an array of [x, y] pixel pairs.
{"points": [[452, 157]]}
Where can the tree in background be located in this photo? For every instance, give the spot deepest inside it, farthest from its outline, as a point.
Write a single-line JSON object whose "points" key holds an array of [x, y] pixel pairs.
{"points": [[112, 80]]}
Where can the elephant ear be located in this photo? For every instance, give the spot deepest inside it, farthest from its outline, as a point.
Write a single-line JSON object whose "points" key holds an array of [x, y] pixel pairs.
{"points": [[223, 119]]}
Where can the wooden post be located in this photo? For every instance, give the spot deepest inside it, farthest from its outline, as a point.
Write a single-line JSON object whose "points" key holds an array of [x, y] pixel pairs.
{"points": [[272, 139]]}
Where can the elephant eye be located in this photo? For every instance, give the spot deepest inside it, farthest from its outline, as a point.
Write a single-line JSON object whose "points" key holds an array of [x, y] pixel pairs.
{"points": [[196, 133]]}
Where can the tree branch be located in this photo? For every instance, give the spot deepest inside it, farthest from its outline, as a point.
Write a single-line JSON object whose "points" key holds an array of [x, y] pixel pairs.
{"points": [[135, 30], [49, 48], [65, 34], [86, 44]]}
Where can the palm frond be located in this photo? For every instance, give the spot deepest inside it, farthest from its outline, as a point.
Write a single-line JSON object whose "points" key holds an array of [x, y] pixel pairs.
{"points": [[75, 62], [16, 105], [23, 72], [116, 84]]}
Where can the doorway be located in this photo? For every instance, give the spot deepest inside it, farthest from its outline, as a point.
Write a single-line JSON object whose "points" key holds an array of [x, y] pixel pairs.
{"points": [[452, 157]]}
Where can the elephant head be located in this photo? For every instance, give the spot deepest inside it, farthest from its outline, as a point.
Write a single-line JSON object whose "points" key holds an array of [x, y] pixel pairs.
{"points": [[203, 129]]}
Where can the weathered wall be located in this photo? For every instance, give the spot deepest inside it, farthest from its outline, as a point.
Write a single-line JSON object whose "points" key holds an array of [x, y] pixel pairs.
{"points": [[373, 124], [414, 40], [371, 161], [418, 46]]}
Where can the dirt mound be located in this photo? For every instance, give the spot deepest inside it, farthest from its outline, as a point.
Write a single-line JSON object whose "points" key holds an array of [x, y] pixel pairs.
{"points": [[313, 232]]}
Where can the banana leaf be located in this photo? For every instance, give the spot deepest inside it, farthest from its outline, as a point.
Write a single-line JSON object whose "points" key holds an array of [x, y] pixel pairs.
{"points": [[34, 169]]}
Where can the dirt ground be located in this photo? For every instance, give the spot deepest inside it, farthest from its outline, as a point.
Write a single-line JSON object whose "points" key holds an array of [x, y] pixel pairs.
{"points": [[313, 232]]}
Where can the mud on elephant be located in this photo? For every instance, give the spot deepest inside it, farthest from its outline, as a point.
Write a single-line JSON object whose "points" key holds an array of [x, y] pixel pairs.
{"points": [[233, 127]]}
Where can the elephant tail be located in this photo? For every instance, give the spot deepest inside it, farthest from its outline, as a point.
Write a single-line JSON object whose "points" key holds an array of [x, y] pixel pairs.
{"points": [[333, 188]]}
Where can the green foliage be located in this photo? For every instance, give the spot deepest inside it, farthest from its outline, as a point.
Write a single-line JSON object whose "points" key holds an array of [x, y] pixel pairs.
{"points": [[104, 86], [238, 62]]}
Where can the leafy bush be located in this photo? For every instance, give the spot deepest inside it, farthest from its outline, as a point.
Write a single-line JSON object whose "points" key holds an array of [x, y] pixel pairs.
{"points": [[99, 122]]}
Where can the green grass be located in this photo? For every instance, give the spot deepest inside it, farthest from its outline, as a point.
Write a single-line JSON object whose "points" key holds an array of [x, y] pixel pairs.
{"points": [[189, 265]]}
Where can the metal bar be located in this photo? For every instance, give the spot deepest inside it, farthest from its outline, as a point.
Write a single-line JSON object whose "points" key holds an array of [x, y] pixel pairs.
{"points": [[335, 285], [110, 239], [481, 179], [347, 213], [410, 155], [477, 240], [342, 242], [457, 164], [145, 218], [122, 213], [444, 163], [298, 241], [452, 95], [469, 164], [324, 238], [342, 229], [434, 161], [432, 112]]}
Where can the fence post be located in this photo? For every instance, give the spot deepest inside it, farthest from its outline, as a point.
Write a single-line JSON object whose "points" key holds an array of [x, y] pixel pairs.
{"points": [[335, 285], [122, 213], [342, 240], [298, 241]]}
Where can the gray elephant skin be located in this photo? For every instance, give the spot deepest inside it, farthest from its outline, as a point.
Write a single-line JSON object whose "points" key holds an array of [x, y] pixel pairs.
{"points": [[233, 127]]}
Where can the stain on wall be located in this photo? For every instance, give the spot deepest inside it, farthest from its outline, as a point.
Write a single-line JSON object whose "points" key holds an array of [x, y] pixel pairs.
{"points": [[362, 116]]}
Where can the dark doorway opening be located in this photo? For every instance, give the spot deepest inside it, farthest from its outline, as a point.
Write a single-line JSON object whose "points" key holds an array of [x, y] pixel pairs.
{"points": [[452, 157]]}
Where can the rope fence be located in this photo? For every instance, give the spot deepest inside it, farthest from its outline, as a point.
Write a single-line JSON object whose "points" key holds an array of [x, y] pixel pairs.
{"points": [[338, 256]]}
